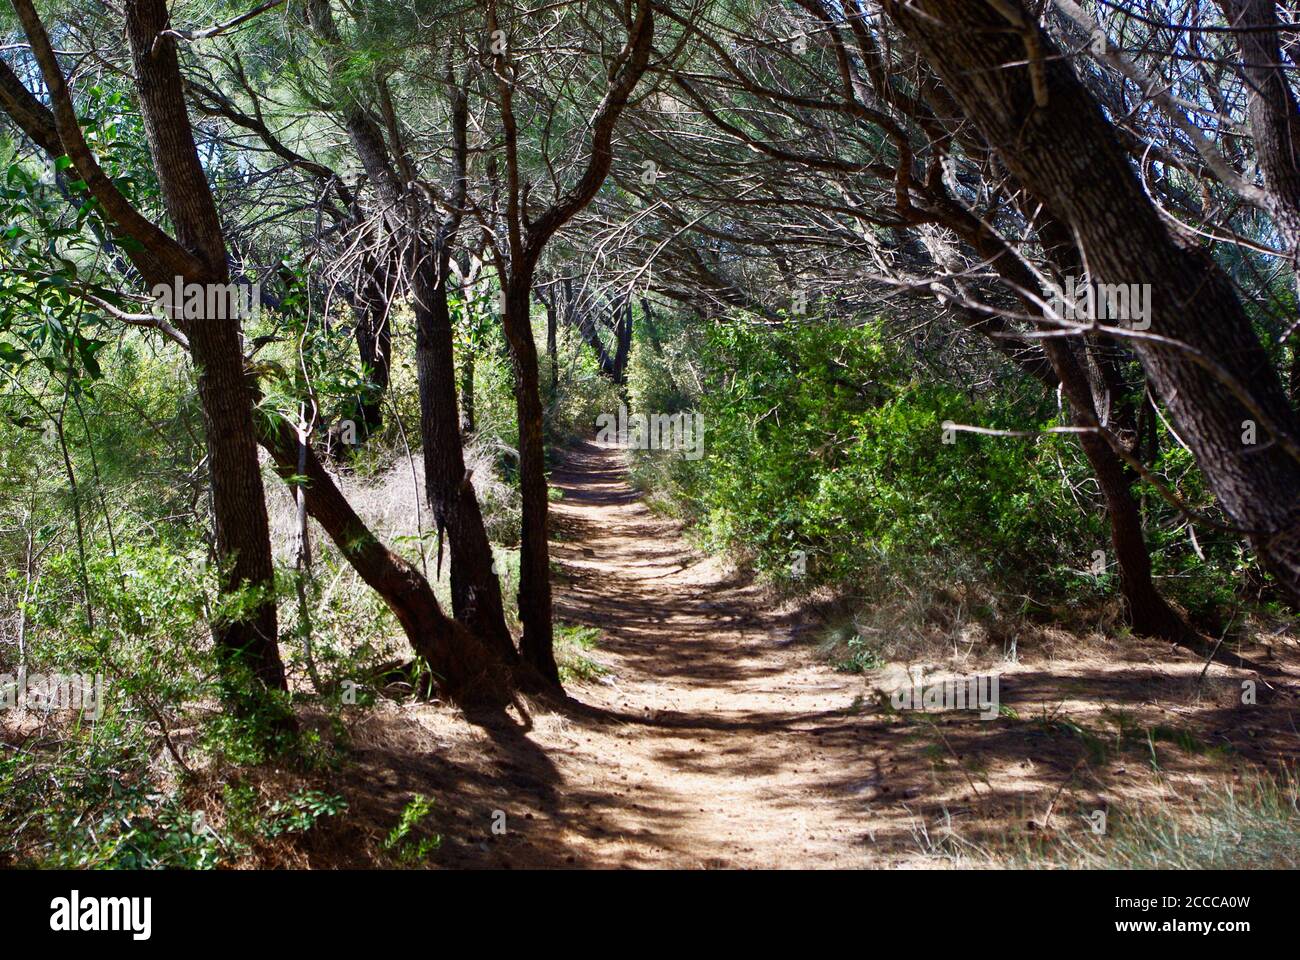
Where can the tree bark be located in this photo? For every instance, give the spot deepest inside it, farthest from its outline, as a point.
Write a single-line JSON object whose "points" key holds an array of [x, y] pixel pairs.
{"points": [[1274, 119], [527, 239], [623, 337], [374, 337], [238, 499], [476, 593], [467, 416], [534, 549], [1275, 130], [1209, 368], [552, 342], [475, 590]]}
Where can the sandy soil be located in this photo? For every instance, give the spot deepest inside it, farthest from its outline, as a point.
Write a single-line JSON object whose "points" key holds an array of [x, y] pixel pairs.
{"points": [[718, 739]]}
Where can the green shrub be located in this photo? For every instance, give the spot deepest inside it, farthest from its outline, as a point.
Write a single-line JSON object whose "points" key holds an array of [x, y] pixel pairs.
{"points": [[820, 444]]}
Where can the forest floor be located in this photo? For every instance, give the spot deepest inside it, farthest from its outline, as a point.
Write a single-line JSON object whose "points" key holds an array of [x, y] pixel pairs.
{"points": [[715, 736]]}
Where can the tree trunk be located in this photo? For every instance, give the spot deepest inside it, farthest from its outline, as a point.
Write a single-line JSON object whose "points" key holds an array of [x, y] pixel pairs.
{"points": [[1067, 156], [552, 347], [1149, 612], [623, 333], [238, 499], [465, 670], [1275, 130], [467, 395], [475, 591], [374, 337], [1274, 118], [1098, 401], [534, 553]]}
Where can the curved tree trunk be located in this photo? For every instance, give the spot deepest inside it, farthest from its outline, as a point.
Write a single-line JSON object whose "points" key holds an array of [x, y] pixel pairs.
{"points": [[465, 670], [1149, 612], [196, 254], [238, 499]]}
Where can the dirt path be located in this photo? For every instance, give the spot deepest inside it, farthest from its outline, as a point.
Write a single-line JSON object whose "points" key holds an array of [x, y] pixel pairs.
{"points": [[728, 762], [716, 739], [710, 741]]}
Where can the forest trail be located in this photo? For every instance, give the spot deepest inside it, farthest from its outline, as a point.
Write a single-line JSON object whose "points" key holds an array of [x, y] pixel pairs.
{"points": [[711, 742], [728, 761], [716, 739]]}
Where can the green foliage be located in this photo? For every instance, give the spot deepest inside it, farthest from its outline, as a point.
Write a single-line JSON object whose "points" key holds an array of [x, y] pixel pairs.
{"points": [[307, 361], [572, 643], [1208, 571], [820, 442], [125, 826], [405, 842], [823, 442], [661, 374], [298, 812], [582, 394], [850, 652]]}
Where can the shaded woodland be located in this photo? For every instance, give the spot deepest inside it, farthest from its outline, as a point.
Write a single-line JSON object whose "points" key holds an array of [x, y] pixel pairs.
{"points": [[310, 312]]}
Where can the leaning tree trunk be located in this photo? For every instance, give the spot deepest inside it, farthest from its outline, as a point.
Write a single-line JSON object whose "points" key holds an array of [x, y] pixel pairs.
{"points": [[1275, 132], [589, 328], [1200, 354], [463, 667], [1098, 402], [1149, 612]]}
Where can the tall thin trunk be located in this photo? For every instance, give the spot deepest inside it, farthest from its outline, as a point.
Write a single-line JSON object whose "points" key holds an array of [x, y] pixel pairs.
{"points": [[467, 416], [374, 338], [552, 346], [623, 347], [475, 590], [302, 554], [238, 499], [536, 645]]}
